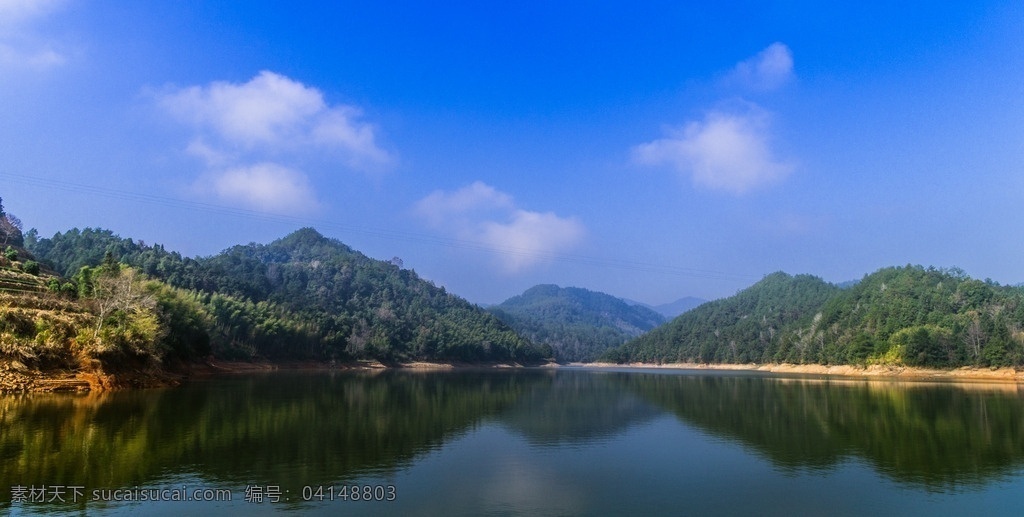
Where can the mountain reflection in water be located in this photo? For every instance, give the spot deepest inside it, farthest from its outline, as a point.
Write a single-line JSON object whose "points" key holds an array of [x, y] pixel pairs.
{"points": [[296, 429], [940, 436]]}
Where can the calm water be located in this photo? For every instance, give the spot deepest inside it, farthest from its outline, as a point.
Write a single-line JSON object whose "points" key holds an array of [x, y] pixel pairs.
{"points": [[533, 442]]}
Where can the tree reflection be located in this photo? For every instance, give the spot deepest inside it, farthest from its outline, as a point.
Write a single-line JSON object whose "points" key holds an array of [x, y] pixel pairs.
{"points": [[315, 428], [939, 436], [576, 407], [289, 430]]}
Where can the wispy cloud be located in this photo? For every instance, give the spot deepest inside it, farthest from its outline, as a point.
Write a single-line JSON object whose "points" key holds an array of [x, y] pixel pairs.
{"points": [[18, 12], [729, 150], [21, 45], [530, 237], [767, 70], [440, 207], [265, 187], [481, 214], [726, 151], [255, 131]]}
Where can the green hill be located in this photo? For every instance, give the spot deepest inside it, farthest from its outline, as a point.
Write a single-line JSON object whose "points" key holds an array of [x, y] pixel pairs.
{"points": [[918, 316], [902, 315], [303, 297], [578, 324], [739, 329]]}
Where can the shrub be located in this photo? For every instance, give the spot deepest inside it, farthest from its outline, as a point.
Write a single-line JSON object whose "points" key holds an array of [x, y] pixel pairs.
{"points": [[31, 267]]}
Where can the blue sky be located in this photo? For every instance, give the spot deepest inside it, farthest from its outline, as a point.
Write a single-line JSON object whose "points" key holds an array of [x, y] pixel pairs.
{"points": [[651, 150]]}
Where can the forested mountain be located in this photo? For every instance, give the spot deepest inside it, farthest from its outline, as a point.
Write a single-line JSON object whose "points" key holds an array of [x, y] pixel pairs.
{"points": [[738, 329], [578, 324], [303, 297], [902, 316]]}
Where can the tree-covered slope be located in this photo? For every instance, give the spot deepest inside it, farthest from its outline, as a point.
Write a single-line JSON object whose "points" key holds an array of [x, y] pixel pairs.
{"points": [[578, 324], [105, 319], [908, 315], [307, 297], [738, 329], [916, 316]]}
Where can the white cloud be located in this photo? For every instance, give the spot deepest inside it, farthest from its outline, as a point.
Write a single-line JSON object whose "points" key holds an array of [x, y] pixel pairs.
{"points": [[268, 110], [266, 187], [767, 70], [337, 128], [249, 134], [272, 113], [481, 214], [726, 152], [211, 156], [20, 44], [15, 12], [529, 237], [440, 207], [730, 150]]}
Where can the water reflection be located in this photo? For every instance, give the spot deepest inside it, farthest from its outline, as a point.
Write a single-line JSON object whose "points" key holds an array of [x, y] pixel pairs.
{"points": [[576, 408], [299, 429], [290, 430], [939, 436]]}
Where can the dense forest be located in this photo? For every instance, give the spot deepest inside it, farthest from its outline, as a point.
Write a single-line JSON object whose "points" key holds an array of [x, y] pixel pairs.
{"points": [[909, 315], [578, 324], [302, 297]]}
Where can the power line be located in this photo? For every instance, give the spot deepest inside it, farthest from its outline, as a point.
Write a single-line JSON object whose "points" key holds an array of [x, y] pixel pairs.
{"points": [[150, 199]]}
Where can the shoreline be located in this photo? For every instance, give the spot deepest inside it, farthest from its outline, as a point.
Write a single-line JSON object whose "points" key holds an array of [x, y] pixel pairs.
{"points": [[215, 367], [880, 372], [16, 378]]}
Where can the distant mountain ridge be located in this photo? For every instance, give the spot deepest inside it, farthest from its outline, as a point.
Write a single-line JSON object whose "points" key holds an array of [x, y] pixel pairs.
{"points": [[578, 324], [671, 309], [733, 329]]}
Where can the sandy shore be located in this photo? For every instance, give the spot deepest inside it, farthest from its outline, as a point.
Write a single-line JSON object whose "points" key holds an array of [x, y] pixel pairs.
{"points": [[875, 371], [214, 367]]}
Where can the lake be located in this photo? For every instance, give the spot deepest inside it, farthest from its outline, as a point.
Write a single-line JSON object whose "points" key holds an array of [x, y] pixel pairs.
{"points": [[518, 442]]}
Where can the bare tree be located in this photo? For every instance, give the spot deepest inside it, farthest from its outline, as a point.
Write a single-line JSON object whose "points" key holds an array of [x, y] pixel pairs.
{"points": [[10, 229], [120, 290]]}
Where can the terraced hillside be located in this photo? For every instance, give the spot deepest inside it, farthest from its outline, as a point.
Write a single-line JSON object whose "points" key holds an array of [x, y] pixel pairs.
{"points": [[15, 281], [38, 328], [36, 324]]}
